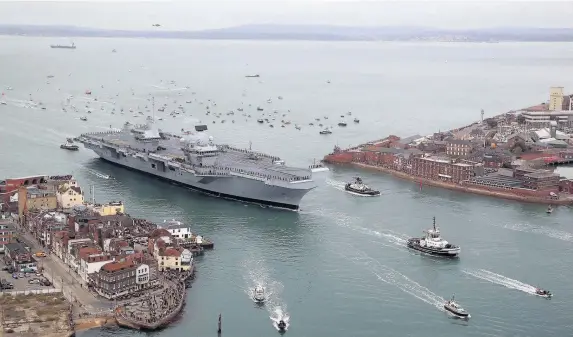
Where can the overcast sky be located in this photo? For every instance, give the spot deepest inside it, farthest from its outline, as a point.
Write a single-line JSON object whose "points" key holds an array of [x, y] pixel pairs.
{"points": [[193, 15]]}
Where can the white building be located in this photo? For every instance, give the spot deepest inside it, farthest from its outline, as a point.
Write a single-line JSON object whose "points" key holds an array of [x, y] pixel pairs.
{"points": [[92, 263], [142, 274], [178, 229]]}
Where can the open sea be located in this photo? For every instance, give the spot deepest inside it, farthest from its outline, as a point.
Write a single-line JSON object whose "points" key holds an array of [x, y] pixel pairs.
{"points": [[338, 267]]}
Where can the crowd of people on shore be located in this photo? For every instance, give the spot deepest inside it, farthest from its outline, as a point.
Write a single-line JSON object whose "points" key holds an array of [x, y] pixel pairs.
{"points": [[155, 309]]}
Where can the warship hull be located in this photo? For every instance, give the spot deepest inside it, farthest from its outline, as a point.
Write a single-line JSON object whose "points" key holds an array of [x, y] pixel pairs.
{"points": [[228, 187]]}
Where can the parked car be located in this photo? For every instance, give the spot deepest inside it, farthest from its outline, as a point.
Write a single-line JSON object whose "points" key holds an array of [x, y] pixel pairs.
{"points": [[34, 281]]}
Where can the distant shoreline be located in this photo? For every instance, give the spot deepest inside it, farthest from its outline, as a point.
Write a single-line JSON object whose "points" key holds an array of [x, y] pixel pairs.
{"points": [[306, 33]]}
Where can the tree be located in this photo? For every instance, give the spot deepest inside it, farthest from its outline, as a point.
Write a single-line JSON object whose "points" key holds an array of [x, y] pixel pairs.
{"points": [[492, 123], [521, 119]]}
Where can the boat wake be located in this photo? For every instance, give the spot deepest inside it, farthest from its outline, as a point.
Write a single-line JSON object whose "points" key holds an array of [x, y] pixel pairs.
{"points": [[279, 314], [507, 282], [258, 276], [396, 240], [550, 232], [99, 174], [392, 277]]}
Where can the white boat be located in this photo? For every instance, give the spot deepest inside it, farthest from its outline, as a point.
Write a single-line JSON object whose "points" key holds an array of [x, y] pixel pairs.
{"points": [[83, 118], [259, 294], [549, 209], [455, 309], [3, 103]]}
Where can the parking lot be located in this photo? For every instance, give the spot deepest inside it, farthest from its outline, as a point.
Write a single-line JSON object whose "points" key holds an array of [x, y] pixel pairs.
{"points": [[23, 283]]}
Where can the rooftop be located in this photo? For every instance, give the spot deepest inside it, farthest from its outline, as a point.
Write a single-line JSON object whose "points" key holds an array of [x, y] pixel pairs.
{"points": [[117, 265]]}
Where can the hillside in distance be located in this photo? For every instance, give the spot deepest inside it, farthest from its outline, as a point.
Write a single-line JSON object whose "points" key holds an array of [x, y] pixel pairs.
{"points": [[308, 32]]}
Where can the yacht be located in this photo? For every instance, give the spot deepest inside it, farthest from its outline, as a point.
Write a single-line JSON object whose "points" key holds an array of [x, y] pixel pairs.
{"points": [[358, 187], [433, 244], [455, 309]]}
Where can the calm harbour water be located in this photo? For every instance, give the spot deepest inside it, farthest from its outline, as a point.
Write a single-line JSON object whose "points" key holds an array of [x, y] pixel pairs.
{"points": [[338, 267]]}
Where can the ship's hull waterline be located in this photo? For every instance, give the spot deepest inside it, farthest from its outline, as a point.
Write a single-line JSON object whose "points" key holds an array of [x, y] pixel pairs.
{"points": [[234, 187]]}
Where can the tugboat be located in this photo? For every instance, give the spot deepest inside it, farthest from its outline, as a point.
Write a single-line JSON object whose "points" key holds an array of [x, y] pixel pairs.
{"points": [[358, 187], [69, 146], [549, 210], [543, 293], [455, 309], [433, 244], [259, 294]]}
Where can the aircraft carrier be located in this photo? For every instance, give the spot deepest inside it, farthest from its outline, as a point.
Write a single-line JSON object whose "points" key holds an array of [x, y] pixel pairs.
{"points": [[195, 161]]}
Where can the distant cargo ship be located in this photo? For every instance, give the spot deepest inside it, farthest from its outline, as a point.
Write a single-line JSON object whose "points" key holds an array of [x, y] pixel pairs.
{"points": [[61, 46]]}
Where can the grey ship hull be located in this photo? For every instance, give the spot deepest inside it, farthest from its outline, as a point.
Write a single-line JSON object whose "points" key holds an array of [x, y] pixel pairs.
{"points": [[236, 188]]}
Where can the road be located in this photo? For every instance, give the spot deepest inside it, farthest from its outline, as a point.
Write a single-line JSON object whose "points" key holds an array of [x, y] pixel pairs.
{"points": [[61, 277]]}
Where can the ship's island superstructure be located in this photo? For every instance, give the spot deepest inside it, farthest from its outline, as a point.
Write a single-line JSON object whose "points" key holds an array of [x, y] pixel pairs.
{"points": [[195, 161]]}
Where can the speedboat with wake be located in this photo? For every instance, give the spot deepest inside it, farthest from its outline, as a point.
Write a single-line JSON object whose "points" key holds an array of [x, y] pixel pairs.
{"points": [[359, 187], [455, 309], [259, 294], [281, 325], [433, 244], [543, 293]]}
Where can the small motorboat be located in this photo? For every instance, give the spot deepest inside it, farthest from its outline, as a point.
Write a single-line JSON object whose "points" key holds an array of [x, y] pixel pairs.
{"points": [[356, 120], [325, 132], [549, 210], [543, 293], [260, 120], [259, 294], [342, 124], [455, 309], [358, 187], [83, 118], [260, 109], [69, 146], [281, 325]]}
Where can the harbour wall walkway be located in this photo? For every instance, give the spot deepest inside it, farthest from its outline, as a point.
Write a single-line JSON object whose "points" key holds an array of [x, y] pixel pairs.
{"points": [[489, 191]]}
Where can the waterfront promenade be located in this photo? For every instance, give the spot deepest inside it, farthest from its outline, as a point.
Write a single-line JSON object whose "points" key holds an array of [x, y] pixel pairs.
{"points": [[469, 189]]}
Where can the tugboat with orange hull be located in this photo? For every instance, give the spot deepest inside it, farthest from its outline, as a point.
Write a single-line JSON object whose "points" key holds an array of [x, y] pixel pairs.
{"points": [[433, 244]]}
